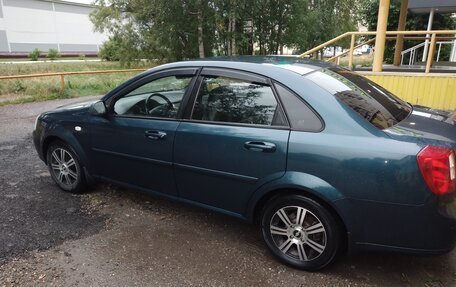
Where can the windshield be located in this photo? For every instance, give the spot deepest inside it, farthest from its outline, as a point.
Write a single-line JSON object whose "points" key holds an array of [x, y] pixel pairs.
{"points": [[371, 101]]}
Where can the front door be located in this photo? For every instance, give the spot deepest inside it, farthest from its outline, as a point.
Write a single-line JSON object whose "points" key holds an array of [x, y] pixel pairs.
{"points": [[134, 144], [234, 140]]}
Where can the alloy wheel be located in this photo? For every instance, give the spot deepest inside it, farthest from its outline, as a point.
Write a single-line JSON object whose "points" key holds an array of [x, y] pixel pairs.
{"points": [[64, 167], [298, 233]]}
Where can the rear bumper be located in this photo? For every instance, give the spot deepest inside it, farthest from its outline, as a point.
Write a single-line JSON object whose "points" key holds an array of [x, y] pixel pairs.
{"points": [[424, 229], [447, 206]]}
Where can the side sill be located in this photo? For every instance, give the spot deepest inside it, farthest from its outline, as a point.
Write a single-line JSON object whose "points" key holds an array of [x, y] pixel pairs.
{"points": [[398, 249], [172, 197]]}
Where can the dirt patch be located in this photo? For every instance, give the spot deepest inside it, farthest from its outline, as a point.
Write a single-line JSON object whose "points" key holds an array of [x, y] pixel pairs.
{"points": [[34, 213]]}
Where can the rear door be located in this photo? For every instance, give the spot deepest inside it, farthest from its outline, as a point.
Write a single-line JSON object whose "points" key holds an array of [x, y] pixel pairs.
{"points": [[233, 140]]}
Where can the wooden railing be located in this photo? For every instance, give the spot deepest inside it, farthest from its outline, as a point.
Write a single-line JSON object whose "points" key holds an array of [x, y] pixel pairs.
{"points": [[63, 74], [410, 35]]}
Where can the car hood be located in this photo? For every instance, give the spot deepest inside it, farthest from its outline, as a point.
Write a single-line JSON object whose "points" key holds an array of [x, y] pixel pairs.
{"points": [[427, 126], [72, 108]]}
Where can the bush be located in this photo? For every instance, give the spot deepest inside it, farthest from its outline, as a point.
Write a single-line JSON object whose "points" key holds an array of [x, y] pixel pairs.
{"points": [[53, 54], [35, 54], [19, 86], [82, 57], [109, 51]]}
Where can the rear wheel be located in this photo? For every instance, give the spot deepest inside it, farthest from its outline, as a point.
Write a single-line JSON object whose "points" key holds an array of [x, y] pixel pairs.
{"points": [[300, 232], [65, 168]]}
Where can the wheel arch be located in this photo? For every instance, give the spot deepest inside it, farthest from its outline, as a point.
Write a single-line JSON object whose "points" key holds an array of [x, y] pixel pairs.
{"points": [[300, 184], [46, 143], [63, 135]]}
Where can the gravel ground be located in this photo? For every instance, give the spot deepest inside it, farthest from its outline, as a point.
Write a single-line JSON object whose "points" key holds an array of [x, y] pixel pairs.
{"points": [[116, 237]]}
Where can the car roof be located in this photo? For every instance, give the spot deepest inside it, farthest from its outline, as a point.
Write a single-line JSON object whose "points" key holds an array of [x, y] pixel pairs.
{"points": [[294, 64]]}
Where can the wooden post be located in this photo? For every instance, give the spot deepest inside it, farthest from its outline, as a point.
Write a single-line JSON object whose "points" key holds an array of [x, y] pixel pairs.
{"points": [[62, 83], [383, 10], [352, 48], [430, 56], [400, 38]]}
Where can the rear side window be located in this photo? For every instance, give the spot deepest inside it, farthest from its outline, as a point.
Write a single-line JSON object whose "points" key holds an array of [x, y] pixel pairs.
{"points": [[371, 101], [224, 99]]}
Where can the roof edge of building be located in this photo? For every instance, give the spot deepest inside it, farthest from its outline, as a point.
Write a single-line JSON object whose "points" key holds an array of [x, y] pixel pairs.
{"points": [[69, 3]]}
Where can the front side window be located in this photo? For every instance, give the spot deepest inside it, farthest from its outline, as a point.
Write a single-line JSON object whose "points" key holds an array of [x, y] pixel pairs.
{"points": [[223, 99], [371, 101], [159, 98]]}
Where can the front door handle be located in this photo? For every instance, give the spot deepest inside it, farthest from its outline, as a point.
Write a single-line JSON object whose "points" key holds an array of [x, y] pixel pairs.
{"points": [[155, 135], [260, 146]]}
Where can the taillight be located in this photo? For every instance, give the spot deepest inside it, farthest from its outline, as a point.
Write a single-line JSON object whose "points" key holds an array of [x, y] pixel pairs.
{"points": [[437, 166]]}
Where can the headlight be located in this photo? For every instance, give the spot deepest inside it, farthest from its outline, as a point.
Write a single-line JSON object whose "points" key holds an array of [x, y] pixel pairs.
{"points": [[36, 121]]}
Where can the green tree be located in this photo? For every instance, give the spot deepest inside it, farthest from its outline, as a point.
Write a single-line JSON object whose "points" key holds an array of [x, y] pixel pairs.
{"points": [[109, 51], [170, 30], [157, 29], [317, 21], [369, 14], [230, 17], [271, 23]]}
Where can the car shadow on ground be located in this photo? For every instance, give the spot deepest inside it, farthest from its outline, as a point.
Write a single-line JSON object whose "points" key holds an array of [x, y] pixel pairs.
{"points": [[384, 269]]}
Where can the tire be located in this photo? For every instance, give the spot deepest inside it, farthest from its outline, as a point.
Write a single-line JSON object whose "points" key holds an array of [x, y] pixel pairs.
{"points": [[310, 243], [65, 167]]}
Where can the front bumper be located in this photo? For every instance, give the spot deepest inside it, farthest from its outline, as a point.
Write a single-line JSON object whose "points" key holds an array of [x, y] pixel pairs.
{"points": [[37, 140]]}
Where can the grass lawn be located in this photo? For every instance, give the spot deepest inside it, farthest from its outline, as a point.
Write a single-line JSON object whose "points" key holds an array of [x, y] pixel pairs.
{"points": [[46, 88]]}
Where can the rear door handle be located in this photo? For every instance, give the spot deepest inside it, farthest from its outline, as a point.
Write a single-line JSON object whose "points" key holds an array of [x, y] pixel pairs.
{"points": [[155, 135], [260, 146]]}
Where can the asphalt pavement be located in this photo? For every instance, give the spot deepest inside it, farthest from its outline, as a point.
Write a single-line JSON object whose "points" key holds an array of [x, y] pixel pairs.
{"points": [[111, 236]]}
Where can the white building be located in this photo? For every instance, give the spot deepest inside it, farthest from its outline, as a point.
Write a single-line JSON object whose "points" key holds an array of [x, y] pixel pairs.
{"points": [[44, 24]]}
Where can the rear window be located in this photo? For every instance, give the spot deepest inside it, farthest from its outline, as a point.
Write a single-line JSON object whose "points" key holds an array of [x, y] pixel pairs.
{"points": [[371, 101]]}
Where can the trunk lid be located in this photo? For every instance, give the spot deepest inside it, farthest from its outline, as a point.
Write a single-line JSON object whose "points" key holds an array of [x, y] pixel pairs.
{"points": [[427, 126]]}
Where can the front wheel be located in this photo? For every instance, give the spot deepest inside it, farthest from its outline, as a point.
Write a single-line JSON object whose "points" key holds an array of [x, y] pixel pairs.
{"points": [[65, 167], [300, 232]]}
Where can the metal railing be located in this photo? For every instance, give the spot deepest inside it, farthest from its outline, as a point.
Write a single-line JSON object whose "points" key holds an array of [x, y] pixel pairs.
{"points": [[413, 50], [409, 35], [63, 74]]}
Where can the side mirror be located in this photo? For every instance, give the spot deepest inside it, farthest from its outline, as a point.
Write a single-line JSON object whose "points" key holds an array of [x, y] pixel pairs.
{"points": [[98, 109]]}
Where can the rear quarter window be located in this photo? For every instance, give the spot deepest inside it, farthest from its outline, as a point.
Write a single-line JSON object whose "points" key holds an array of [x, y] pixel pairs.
{"points": [[300, 115]]}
